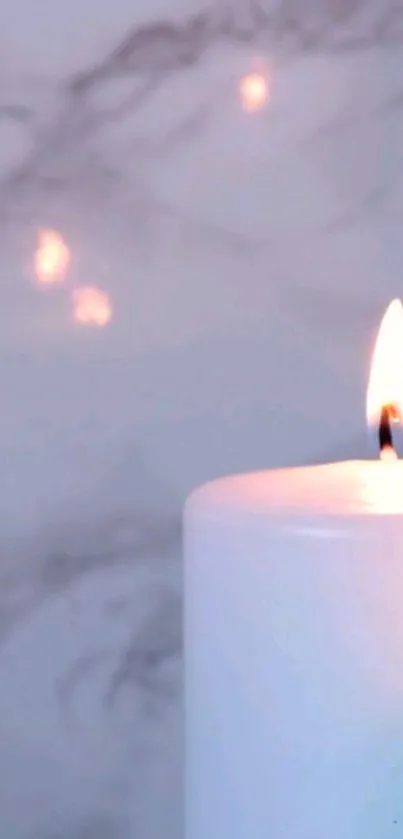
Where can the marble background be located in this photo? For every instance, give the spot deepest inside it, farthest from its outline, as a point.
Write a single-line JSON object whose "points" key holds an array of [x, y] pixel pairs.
{"points": [[249, 258]]}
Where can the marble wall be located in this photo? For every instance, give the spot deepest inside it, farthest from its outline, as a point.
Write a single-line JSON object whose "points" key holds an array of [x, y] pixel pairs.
{"points": [[248, 258]]}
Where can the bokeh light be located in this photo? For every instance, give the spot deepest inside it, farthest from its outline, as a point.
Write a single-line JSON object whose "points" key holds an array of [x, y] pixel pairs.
{"points": [[254, 91], [92, 306], [52, 258]]}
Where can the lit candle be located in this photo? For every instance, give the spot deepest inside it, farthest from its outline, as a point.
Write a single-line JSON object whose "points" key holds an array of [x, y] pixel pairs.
{"points": [[294, 642]]}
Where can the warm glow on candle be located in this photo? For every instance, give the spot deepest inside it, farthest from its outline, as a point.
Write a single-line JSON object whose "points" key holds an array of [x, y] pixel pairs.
{"points": [[52, 258], [91, 306], [385, 387]]}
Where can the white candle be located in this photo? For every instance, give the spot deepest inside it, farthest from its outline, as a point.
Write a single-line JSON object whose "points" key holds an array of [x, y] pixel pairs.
{"points": [[294, 652]]}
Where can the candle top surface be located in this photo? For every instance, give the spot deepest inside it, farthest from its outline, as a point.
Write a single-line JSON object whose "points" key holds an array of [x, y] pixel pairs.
{"points": [[351, 488]]}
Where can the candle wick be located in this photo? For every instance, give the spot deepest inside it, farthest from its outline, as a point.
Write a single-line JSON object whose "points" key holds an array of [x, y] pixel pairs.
{"points": [[389, 414]]}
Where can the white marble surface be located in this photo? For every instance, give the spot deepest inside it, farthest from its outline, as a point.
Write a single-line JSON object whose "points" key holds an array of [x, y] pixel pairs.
{"points": [[249, 259]]}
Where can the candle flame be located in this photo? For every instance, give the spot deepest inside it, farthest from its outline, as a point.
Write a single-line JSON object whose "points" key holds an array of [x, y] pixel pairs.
{"points": [[385, 386]]}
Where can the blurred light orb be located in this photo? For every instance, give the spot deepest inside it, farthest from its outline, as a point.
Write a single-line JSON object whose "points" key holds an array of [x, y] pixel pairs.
{"points": [[254, 91], [52, 258], [92, 306]]}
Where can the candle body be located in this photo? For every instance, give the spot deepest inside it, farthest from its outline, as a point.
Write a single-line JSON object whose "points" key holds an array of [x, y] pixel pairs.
{"points": [[294, 656]]}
